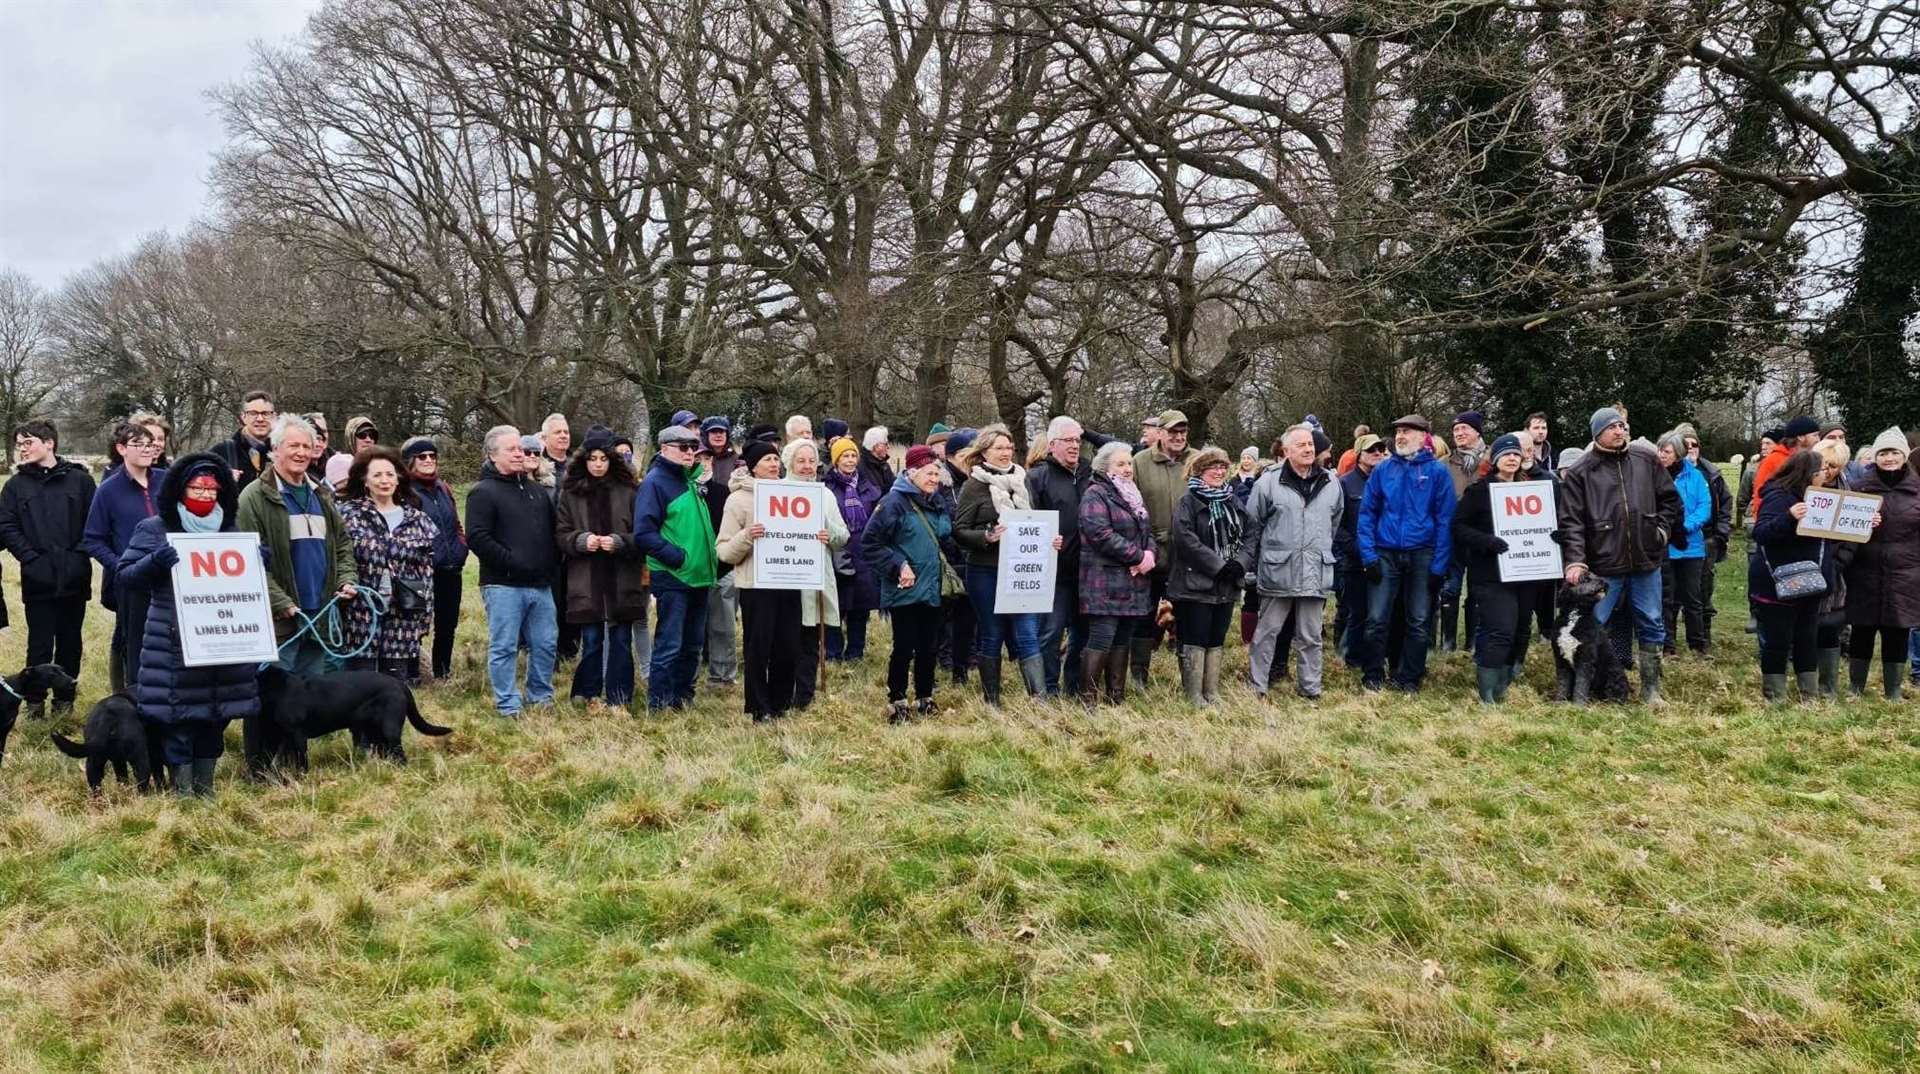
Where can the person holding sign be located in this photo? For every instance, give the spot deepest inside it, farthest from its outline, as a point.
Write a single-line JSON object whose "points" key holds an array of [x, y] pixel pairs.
{"points": [[819, 608], [995, 483], [1205, 578], [1787, 580], [1883, 582], [770, 618], [1500, 646], [190, 705]]}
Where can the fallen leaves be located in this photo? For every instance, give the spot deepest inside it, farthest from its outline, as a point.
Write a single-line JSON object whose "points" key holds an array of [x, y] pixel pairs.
{"points": [[1431, 972], [515, 943], [1876, 885]]}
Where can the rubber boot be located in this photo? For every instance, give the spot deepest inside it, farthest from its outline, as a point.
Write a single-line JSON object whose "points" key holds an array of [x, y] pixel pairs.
{"points": [[1033, 673], [1472, 622], [1491, 681], [1449, 625], [1515, 673], [1773, 688], [1141, 655], [203, 776], [1192, 667], [1650, 676], [1117, 661], [182, 780], [1093, 671], [1829, 672], [1893, 677], [1809, 684], [1857, 675], [989, 668], [1212, 660]]}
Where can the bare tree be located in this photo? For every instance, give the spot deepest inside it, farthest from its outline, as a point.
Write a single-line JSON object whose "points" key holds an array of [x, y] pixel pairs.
{"points": [[27, 377]]}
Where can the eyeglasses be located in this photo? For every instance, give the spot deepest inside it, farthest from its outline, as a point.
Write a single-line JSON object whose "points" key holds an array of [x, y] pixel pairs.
{"points": [[259, 413]]}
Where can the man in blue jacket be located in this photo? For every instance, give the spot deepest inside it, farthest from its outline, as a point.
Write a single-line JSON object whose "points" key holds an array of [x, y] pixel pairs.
{"points": [[1405, 539]]}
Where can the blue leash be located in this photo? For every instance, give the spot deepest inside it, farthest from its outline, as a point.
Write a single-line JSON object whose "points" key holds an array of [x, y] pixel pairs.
{"points": [[329, 628]]}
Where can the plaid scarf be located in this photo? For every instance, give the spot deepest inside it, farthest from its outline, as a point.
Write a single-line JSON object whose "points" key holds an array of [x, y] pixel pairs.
{"points": [[1223, 522]]}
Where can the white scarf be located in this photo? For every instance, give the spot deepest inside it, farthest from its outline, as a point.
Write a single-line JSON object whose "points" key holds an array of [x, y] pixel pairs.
{"points": [[1008, 487]]}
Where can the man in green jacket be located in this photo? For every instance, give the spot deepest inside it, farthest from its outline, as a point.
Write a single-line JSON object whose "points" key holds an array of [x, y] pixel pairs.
{"points": [[1160, 472], [310, 558]]}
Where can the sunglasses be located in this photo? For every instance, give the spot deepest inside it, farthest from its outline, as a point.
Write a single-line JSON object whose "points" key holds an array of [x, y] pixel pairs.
{"points": [[429, 455], [366, 434]]}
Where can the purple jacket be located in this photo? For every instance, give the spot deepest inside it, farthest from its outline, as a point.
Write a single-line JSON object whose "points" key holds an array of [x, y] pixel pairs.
{"points": [[857, 498], [1112, 538]]}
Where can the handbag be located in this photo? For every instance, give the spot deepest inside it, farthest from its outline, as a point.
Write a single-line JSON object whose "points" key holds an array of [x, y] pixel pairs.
{"points": [[409, 594], [1800, 579], [951, 584]]}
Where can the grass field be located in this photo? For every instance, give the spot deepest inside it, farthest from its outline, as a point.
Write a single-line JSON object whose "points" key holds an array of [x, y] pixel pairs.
{"points": [[1368, 884]]}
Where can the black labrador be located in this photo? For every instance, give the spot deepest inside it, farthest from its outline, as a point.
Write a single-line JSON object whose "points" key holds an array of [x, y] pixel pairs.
{"points": [[373, 706], [117, 736], [30, 686]]}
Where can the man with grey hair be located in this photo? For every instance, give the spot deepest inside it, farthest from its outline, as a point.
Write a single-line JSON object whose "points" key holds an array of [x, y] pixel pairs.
{"points": [[510, 522], [1055, 484], [799, 427], [1293, 516], [309, 555], [556, 438], [876, 460]]}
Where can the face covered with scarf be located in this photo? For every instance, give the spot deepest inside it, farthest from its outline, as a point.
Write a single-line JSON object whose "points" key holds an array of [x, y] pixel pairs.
{"points": [[200, 510]]}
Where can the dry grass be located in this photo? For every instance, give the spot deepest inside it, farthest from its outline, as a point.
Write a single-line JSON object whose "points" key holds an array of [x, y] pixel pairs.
{"points": [[1367, 884]]}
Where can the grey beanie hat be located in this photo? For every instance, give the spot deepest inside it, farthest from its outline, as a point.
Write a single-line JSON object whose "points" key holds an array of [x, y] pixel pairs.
{"points": [[1602, 418]]}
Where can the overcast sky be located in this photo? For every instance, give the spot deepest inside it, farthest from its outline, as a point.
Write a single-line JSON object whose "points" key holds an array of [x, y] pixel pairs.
{"points": [[105, 132]]}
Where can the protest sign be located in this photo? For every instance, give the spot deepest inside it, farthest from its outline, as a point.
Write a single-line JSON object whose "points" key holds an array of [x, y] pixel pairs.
{"points": [[1839, 515], [1524, 516], [220, 600], [791, 555], [1029, 565]]}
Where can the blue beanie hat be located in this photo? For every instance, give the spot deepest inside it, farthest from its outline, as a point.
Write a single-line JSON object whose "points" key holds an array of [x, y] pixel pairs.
{"points": [[708, 425], [832, 429], [960, 440], [1506, 445]]}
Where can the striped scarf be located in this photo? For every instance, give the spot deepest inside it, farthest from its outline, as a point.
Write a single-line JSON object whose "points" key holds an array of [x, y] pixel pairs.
{"points": [[1223, 522]]}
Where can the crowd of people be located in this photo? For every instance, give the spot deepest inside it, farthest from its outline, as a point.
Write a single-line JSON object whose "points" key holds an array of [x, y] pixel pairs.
{"points": [[641, 575]]}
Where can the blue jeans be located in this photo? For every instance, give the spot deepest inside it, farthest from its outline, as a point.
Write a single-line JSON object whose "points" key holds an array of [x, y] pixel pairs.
{"points": [[1410, 570], [1643, 590], [304, 656], [679, 631], [606, 663], [513, 611], [1065, 619], [1022, 630]]}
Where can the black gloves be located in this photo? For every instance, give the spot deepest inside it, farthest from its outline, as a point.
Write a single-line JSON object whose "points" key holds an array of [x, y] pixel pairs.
{"points": [[166, 555], [1376, 573], [1231, 572], [1558, 536], [1497, 545]]}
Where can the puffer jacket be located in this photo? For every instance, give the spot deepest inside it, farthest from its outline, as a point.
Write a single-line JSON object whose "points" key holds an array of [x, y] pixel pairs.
{"points": [[1408, 506], [1616, 510], [1112, 539], [1288, 547], [1194, 575], [897, 535], [1696, 506], [164, 689], [43, 518], [1883, 581]]}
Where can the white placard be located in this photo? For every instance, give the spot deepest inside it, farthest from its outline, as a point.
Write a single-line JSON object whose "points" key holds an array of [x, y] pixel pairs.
{"points": [[1839, 514], [1524, 516], [220, 600], [1029, 564], [791, 555]]}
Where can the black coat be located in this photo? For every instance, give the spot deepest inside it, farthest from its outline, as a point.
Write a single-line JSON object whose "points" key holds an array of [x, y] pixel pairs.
{"points": [[1194, 574], [1051, 488], [510, 524], [1473, 534], [1883, 581], [239, 454], [1777, 542], [43, 516], [164, 688]]}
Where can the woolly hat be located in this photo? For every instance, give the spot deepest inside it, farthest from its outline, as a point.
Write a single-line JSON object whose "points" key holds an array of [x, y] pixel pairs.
{"points": [[599, 439], [755, 451], [1570, 456], [833, 429], [838, 447], [531, 444], [417, 446], [1890, 440], [1249, 452], [1775, 434], [1602, 418], [961, 440], [938, 434], [1506, 445], [764, 432], [919, 455], [708, 425], [1321, 442], [622, 438], [1801, 426], [1473, 418]]}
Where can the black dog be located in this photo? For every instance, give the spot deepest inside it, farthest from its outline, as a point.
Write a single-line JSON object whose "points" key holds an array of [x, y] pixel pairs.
{"points": [[117, 735], [30, 687], [1586, 668], [295, 708]]}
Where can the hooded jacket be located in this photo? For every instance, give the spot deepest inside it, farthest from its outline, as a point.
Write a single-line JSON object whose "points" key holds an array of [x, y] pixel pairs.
{"points": [[1696, 506], [1408, 507], [674, 529], [164, 689], [897, 536], [43, 518], [510, 524], [601, 586]]}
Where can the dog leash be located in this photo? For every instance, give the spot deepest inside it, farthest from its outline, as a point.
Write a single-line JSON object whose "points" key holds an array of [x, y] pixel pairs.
{"points": [[17, 696], [330, 631]]}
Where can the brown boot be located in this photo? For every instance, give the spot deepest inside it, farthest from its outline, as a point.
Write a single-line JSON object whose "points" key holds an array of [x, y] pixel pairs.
{"points": [[1093, 670], [1118, 659]]}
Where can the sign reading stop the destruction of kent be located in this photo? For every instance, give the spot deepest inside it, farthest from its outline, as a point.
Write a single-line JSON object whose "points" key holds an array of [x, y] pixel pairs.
{"points": [[1524, 517], [1027, 562], [1840, 515], [791, 555], [220, 599]]}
